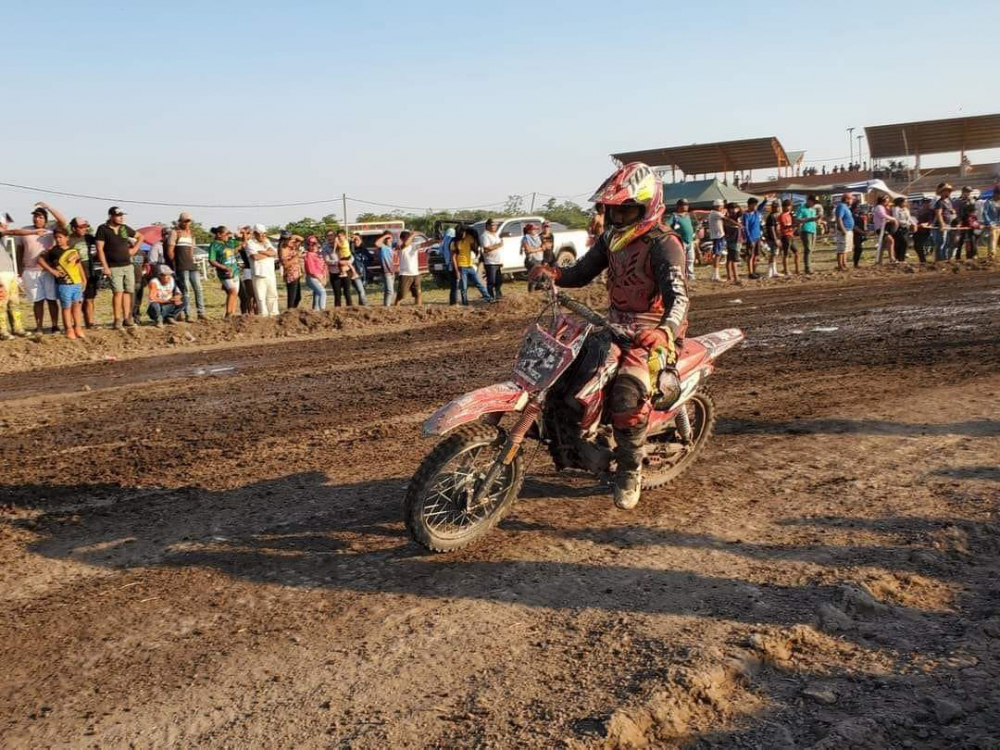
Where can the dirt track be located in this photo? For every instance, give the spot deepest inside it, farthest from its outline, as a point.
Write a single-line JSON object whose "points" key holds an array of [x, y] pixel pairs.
{"points": [[218, 558]]}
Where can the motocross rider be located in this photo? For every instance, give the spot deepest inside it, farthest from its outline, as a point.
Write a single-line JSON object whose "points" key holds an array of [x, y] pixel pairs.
{"points": [[647, 291]]}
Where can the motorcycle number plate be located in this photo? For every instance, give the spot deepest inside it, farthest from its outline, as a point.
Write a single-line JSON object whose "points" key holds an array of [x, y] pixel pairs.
{"points": [[541, 359]]}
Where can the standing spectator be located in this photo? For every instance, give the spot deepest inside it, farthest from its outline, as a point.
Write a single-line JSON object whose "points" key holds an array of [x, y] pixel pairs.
{"points": [[991, 222], [63, 263], [548, 241], [345, 259], [291, 268], [531, 249], [315, 273], [10, 294], [166, 302], [884, 226], [860, 228], [944, 218], [734, 229], [39, 285], [753, 230], [787, 222], [717, 233], [493, 259], [464, 251], [843, 232], [680, 222], [389, 261], [223, 255], [904, 225], [772, 236], [446, 258], [116, 244], [360, 260], [968, 220], [180, 255], [409, 269], [248, 296], [596, 227], [265, 282], [340, 284], [806, 217], [85, 245], [925, 223]]}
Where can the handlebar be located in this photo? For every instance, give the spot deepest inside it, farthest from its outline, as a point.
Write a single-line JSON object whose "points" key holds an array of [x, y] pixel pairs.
{"points": [[621, 336]]}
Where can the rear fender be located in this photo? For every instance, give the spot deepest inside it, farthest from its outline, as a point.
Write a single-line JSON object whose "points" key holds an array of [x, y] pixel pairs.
{"points": [[720, 342], [493, 399]]}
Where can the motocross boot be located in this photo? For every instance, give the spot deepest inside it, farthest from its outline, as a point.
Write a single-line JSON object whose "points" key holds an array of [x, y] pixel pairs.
{"points": [[628, 477]]}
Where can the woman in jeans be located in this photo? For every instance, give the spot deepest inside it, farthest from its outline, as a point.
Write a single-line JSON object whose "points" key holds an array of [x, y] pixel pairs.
{"points": [[360, 259], [883, 220], [904, 224], [291, 267], [180, 255], [315, 273]]}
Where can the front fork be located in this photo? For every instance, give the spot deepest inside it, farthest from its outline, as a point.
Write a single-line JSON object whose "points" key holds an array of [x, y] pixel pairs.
{"points": [[515, 439]]}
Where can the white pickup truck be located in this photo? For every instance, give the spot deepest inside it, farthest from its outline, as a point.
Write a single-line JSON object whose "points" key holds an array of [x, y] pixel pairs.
{"points": [[570, 244]]}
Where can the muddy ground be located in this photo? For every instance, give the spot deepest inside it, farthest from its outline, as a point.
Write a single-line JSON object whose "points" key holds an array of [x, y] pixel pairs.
{"points": [[203, 546]]}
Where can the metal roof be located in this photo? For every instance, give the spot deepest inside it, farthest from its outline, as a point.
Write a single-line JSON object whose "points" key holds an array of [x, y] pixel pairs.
{"points": [[708, 158], [934, 136]]}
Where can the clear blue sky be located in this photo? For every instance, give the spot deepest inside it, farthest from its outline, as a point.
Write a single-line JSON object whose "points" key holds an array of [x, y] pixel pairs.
{"points": [[442, 103]]}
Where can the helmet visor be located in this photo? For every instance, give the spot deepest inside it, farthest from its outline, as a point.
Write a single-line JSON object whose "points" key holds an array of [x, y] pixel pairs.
{"points": [[624, 215]]}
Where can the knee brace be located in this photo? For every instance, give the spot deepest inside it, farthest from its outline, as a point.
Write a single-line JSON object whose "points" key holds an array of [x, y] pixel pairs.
{"points": [[629, 403]]}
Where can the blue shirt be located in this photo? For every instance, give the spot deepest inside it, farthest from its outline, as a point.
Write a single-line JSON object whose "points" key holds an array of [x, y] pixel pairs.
{"points": [[991, 213], [804, 214], [843, 212], [751, 226], [385, 257], [446, 247]]}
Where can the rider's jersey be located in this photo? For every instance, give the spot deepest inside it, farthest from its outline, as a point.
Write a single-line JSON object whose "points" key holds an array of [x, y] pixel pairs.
{"points": [[647, 284]]}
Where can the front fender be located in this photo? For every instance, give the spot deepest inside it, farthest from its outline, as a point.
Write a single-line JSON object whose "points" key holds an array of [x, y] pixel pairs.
{"points": [[502, 397]]}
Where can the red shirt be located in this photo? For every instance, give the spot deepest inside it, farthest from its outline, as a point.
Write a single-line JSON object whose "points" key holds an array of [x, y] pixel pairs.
{"points": [[785, 220]]}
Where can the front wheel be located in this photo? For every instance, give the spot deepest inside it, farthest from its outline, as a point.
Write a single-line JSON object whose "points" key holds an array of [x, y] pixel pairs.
{"points": [[439, 509], [667, 457]]}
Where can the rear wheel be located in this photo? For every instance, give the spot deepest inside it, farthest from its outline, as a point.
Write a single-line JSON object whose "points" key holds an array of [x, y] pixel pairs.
{"points": [[439, 509], [667, 456]]}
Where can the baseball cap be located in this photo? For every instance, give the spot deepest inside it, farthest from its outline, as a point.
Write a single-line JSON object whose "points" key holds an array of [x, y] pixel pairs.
{"points": [[39, 211], [165, 270], [185, 216], [115, 211], [718, 203], [966, 189], [78, 222], [259, 228]]}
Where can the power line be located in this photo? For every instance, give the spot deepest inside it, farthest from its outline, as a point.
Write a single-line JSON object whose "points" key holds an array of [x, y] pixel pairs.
{"points": [[109, 199]]}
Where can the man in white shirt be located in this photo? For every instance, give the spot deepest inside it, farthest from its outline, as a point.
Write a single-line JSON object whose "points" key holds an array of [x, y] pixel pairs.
{"points": [[409, 269], [265, 282], [493, 259]]}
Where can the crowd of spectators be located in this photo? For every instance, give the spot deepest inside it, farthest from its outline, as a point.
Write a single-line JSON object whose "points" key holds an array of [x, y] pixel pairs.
{"points": [[61, 265]]}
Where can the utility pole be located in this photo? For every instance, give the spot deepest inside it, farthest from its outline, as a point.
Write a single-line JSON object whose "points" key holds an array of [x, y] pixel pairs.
{"points": [[859, 148], [343, 198], [533, 196], [850, 142]]}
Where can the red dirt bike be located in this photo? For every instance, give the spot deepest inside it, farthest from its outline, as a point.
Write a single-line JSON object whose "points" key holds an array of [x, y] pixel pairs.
{"points": [[472, 477]]}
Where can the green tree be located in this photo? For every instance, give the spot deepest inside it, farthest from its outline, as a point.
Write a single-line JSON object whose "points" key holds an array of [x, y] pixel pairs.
{"points": [[201, 235], [307, 226], [568, 213]]}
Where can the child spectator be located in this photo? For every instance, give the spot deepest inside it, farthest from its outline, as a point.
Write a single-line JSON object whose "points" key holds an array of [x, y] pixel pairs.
{"points": [[223, 255], [787, 223], [166, 302], [63, 262]]}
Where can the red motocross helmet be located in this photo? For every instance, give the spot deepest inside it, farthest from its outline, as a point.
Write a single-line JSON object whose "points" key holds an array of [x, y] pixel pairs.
{"points": [[633, 184]]}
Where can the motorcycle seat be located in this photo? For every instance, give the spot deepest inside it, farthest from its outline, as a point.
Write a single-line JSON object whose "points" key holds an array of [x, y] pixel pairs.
{"points": [[692, 354]]}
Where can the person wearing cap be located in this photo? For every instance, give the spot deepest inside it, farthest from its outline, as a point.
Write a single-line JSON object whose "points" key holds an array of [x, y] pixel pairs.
{"points": [[10, 293], [944, 218], [265, 282], [85, 245], [717, 222], [166, 302], [680, 222], [531, 249], [39, 285], [968, 220], [62, 262], [492, 259], [180, 255], [117, 244], [548, 243], [844, 231]]}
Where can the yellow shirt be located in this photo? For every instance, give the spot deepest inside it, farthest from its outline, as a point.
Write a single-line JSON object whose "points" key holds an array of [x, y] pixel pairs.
{"points": [[464, 252], [343, 249], [68, 261]]}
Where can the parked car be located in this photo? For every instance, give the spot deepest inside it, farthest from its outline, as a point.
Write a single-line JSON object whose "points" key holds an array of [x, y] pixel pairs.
{"points": [[570, 244]]}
